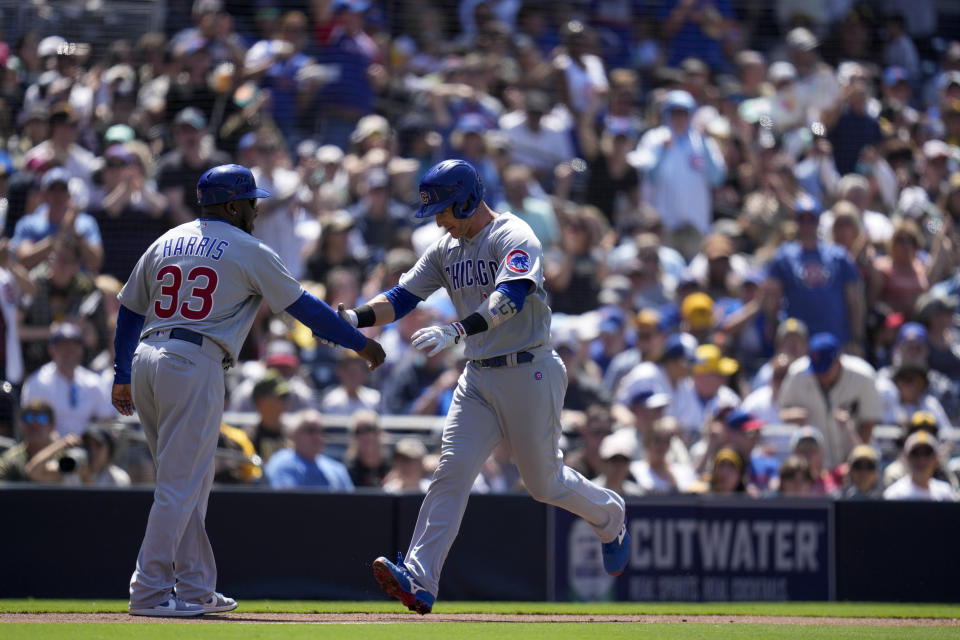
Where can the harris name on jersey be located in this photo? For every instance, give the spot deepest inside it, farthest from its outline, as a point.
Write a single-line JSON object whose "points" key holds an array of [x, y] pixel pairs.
{"points": [[201, 247]]}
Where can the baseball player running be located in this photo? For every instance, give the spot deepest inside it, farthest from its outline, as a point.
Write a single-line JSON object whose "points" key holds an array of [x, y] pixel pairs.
{"points": [[189, 303], [512, 387]]}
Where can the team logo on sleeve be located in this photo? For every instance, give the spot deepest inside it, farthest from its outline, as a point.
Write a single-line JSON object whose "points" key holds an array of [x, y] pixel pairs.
{"points": [[518, 261]]}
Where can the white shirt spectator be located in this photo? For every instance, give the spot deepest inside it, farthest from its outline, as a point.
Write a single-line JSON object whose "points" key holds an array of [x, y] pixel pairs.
{"points": [[651, 483], [287, 228], [541, 150], [75, 403], [905, 489], [762, 405], [583, 83], [337, 402]]}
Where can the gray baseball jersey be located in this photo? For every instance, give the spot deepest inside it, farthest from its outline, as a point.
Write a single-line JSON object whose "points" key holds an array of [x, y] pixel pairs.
{"points": [[470, 270], [210, 277]]}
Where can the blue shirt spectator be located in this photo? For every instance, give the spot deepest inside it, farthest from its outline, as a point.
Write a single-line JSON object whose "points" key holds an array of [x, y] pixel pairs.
{"points": [[693, 30], [305, 465]]}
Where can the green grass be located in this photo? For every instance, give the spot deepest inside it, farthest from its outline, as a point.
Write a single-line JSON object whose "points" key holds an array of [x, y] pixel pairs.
{"points": [[467, 631], [815, 609]]}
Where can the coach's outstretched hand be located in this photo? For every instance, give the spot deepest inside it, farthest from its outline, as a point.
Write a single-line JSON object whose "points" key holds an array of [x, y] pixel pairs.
{"points": [[373, 353], [348, 315], [122, 399]]}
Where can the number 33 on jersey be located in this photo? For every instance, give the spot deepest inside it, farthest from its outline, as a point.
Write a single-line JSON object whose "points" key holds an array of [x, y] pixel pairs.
{"points": [[208, 276]]}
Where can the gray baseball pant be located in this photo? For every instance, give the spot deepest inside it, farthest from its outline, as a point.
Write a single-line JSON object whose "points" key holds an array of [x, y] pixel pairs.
{"points": [[512, 403], [178, 391]]}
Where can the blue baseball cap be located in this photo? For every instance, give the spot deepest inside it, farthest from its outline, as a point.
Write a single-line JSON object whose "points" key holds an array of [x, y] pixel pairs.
{"points": [[743, 421], [471, 123], [679, 99], [649, 399], [54, 176], [806, 204], [680, 345], [824, 350], [893, 75], [912, 331]]}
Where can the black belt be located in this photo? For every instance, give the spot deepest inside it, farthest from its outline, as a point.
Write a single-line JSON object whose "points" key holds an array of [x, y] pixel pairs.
{"points": [[521, 357], [187, 336]]}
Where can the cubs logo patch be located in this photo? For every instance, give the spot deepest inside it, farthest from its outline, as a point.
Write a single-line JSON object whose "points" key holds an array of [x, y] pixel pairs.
{"points": [[518, 261], [424, 197], [538, 375]]}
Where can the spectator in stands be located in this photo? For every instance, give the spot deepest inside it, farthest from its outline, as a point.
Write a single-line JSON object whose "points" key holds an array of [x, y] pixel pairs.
{"points": [[271, 399], [900, 277], [726, 476], [280, 357], [594, 427], [856, 128], [336, 248], [764, 401], [74, 392], [817, 89], [655, 473], [579, 75], [795, 478], [809, 275], [862, 474], [61, 148], [305, 465], [647, 346], [38, 433], [236, 460], [382, 221], [539, 139], [351, 394], [936, 312], [58, 219], [615, 458], [8, 416], [919, 421], [808, 443], [919, 483], [365, 459], [613, 182], [408, 472], [711, 373], [680, 167], [696, 316], [535, 210], [583, 386], [791, 340], [732, 428], [179, 170], [99, 469], [839, 394], [907, 391]]}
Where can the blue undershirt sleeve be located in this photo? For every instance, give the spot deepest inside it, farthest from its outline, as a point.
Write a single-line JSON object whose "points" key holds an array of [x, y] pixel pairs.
{"points": [[516, 290], [129, 326], [402, 300], [324, 322]]}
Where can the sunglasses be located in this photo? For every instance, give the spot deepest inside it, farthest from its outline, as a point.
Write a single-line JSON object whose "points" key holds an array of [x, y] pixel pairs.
{"points": [[863, 465], [923, 452], [366, 429], [36, 418]]}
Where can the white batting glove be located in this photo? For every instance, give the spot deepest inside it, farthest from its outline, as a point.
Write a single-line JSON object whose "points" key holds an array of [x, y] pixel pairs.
{"points": [[347, 315], [439, 338]]}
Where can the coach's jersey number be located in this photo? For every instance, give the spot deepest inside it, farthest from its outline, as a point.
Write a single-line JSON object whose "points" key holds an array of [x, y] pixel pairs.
{"points": [[170, 293]]}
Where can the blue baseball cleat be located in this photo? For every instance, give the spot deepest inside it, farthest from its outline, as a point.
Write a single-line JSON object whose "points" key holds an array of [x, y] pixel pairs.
{"points": [[397, 583], [616, 553]]}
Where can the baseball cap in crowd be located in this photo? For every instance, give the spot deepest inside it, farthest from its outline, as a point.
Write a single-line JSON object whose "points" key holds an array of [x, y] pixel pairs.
{"points": [[118, 152], [742, 420], [930, 303], [65, 331], [948, 79], [912, 331], [612, 319], [807, 205], [56, 175], [863, 452], [307, 149], [679, 99], [823, 351], [648, 318], [807, 433], [923, 420], [649, 399], [119, 133], [914, 201], [727, 454], [281, 353], [935, 149], [792, 326], [471, 123], [370, 125], [612, 447], [62, 112], [802, 39], [358, 6], [50, 46], [697, 310], [377, 178], [192, 117], [329, 154], [680, 345], [919, 439], [709, 359], [894, 75], [246, 141], [782, 72], [271, 384], [409, 448], [99, 434]]}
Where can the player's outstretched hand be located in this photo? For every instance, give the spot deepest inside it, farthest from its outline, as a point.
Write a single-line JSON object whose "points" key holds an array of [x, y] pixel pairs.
{"points": [[373, 353], [347, 315], [122, 399], [435, 338]]}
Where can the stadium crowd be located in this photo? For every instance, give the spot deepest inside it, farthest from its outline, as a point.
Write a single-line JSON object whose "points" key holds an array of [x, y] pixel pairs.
{"points": [[750, 213]]}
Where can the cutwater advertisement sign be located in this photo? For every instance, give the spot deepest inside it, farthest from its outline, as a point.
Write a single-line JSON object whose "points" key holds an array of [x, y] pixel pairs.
{"points": [[704, 550]]}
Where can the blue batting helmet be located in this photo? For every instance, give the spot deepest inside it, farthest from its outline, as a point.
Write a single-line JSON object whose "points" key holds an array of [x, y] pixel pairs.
{"points": [[226, 183], [453, 182]]}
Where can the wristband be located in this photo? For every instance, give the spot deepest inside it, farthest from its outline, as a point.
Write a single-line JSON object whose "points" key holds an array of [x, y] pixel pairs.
{"points": [[366, 317], [461, 332]]}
